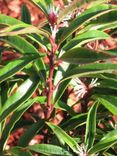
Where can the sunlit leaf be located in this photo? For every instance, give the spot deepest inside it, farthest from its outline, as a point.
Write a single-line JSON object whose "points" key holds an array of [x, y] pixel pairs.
{"points": [[81, 56], [48, 149], [110, 102], [106, 142], [22, 94], [84, 38], [66, 138], [91, 126], [14, 66], [85, 17], [15, 117], [90, 69]]}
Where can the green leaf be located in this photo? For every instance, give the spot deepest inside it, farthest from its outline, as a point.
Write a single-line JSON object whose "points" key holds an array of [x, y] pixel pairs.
{"points": [[100, 27], [49, 2], [65, 137], [20, 44], [85, 17], [25, 14], [81, 56], [106, 142], [104, 91], [63, 106], [13, 120], [38, 39], [107, 18], [84, 38], [108, 83], [74, 122], [48, 149], [18, 151], [40, 69], [61, 90], [109, 102], [91, 126], [22, 94], [14, 66], [14, 24], [24, 47], [89, 69], [23, 30], [42, 5], [7, 20], [30, 133], [74, 5], [59, 75], [104, 22], [4, 92]]}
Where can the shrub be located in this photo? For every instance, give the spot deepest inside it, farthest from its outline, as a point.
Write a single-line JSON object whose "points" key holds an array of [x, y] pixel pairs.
{"points": [[38, 66]]}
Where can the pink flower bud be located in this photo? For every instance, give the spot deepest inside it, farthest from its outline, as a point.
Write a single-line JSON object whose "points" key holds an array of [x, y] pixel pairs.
{"points": [[52, 17]]}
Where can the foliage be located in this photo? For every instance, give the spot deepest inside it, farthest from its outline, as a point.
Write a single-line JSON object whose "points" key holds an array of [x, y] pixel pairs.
{"points": [[41, 52]]}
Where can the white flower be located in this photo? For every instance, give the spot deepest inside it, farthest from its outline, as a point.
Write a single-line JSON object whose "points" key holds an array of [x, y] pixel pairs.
{"points": [[94, 83], [83, 151], [54, 31], [81, 89], [53, 9]]}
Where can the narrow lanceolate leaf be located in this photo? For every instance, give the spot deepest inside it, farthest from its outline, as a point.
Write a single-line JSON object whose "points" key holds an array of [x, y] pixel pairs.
{"points": [[109, 102], [22, 94], [48, 149], [65, 137], [74, 5], [17, 151], [74, 122], [100, 27], [106, 21], [91, 126], [63, 106], [107, 141], [106, 18], [12, 23], [14, 66], [61, 90], [109, 83], [7, 20], [89, 69], [25, 14], [81, 56], [41, 5], [30, 133], [84, 38], [24, 47], [85, 17], [25, 30], [20, 44], [37, 38], [13, 120]]}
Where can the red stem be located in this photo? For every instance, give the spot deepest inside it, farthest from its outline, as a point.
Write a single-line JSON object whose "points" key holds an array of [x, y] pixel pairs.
{"points": [[50, 78], [50, 83]]}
